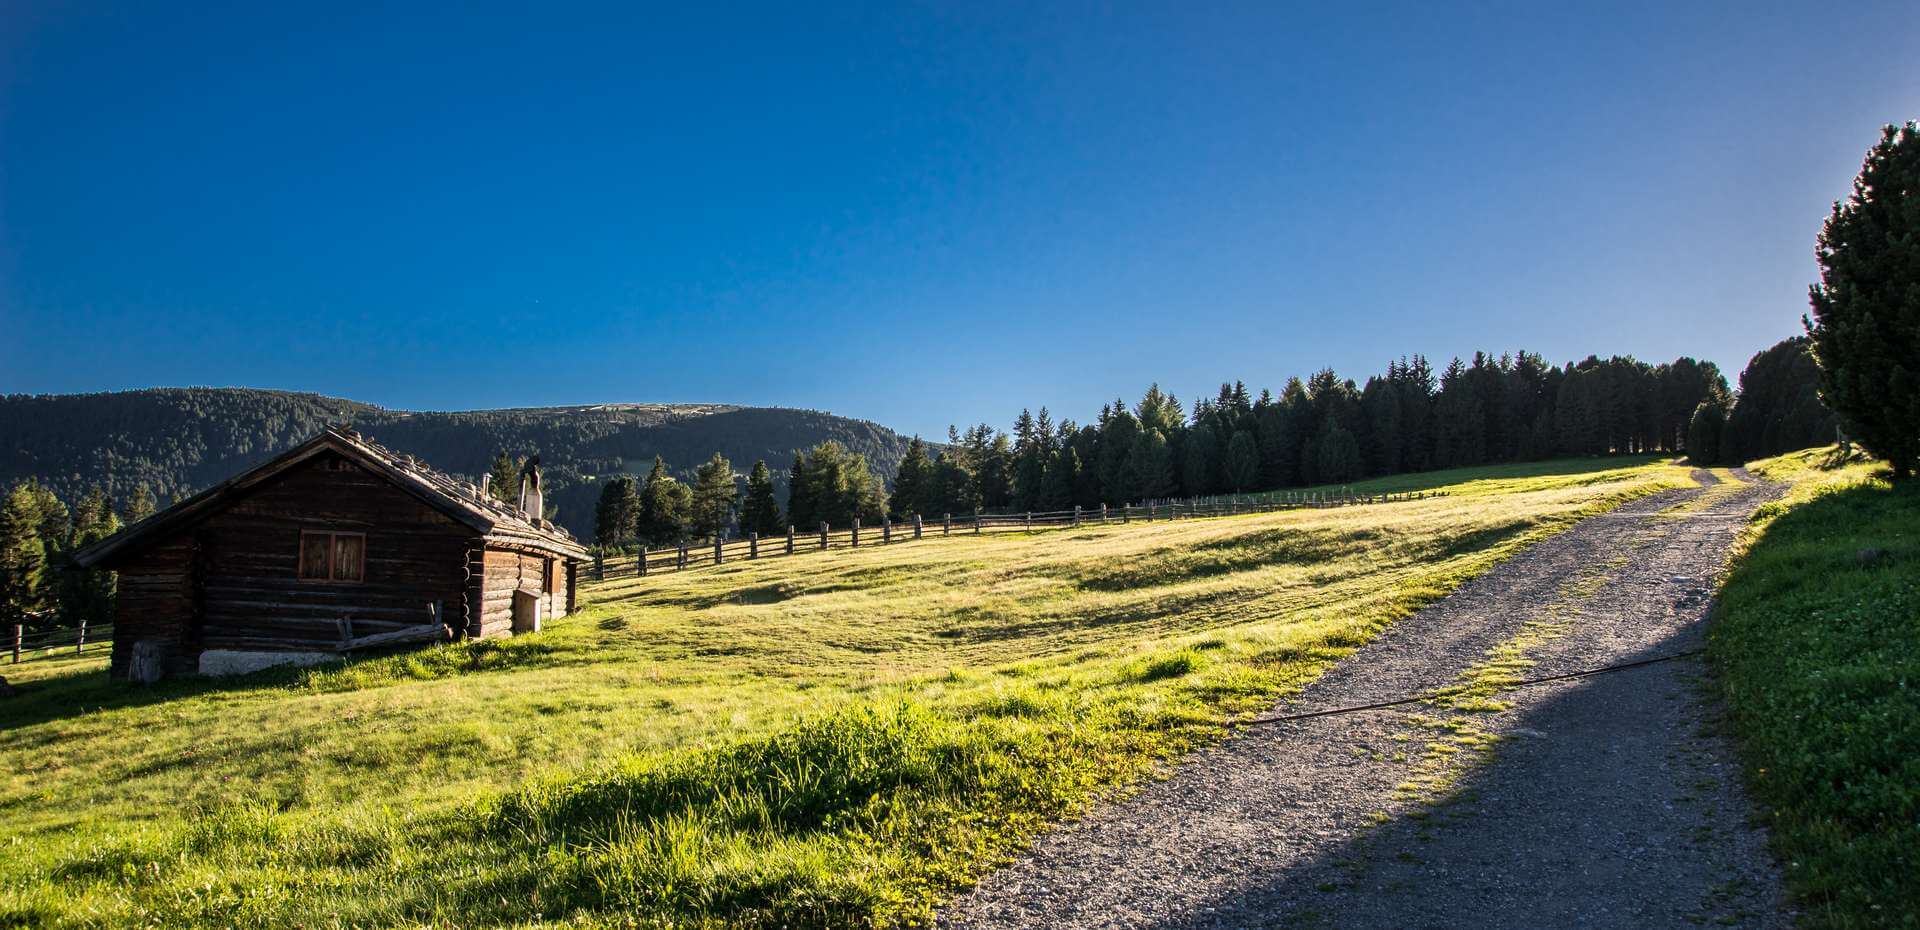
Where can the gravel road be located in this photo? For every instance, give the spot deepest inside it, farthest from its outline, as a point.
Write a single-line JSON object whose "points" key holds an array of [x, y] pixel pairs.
{"points": [[1607, 801]]}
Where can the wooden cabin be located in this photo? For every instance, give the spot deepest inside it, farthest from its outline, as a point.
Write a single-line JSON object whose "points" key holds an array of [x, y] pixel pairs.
{"points": [[337, 545]]}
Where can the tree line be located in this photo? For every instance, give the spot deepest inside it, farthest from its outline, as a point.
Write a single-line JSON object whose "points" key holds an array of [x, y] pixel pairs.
{"points": [[1777, 410], [826, 484], [1319, 430], [38, 534]]}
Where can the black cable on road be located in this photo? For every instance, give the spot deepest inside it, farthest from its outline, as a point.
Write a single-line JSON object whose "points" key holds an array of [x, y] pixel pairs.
{"points": [[1462, 689]]}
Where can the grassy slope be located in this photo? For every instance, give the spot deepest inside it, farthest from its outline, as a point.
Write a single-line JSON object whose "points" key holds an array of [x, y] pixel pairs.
{"points": [[1818, 642], [817, 740]]}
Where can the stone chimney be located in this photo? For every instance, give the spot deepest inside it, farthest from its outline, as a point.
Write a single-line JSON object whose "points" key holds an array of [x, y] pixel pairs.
{"points": [[531, 504]]}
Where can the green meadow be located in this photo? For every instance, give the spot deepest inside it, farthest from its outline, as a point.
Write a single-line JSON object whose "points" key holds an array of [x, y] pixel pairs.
{"points": [[827, 739]]}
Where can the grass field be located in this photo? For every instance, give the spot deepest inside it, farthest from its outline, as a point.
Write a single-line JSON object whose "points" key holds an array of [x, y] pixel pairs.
{"points": [[836, 739], [1818, 642]]}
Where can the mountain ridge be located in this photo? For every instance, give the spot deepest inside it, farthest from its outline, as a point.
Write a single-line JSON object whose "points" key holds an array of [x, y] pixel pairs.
{"points": [[177, 440]]}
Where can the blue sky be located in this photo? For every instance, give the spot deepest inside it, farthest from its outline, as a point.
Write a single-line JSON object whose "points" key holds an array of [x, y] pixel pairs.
{"points": [[915, 214]]}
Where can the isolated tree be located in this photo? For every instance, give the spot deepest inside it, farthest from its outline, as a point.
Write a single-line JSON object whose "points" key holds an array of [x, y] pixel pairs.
{"points": [[1866, 309], [23, 556], [913, 479], [714, 491], [760, 512], [139, 506], [618, 511]]}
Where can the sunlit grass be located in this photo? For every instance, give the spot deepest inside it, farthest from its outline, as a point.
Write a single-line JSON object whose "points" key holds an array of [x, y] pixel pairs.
{"points": [[826, 739], [1817, 637]]}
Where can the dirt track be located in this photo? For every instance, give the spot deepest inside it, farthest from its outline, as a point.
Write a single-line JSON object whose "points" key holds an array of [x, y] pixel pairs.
{"points": [[1608, 801]]}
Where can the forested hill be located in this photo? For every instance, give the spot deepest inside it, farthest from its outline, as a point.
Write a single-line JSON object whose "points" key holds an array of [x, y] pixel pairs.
{"points": [[180, 440]]}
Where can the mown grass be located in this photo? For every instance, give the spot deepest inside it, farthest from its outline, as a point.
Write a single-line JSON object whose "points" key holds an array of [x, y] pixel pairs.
{"points": [[833, 739], [1817, 638]]}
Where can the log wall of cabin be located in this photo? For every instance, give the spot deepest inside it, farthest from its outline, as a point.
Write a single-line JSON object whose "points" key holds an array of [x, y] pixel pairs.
{"points": [[156, 602], [508, 571], [254, 599]]}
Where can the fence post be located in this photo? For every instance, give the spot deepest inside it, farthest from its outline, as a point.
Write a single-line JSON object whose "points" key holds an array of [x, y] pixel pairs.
{"points": [[81, 646], [789, 539], [1103, 514], [886, 529], [823, 534], [641, 568], [1076, 516], [1126, 513], [717, 556], [1029, 521], [946, 524], [976, 521], [683, 555], [856, 532], [753, 544], [916, 526], [599, 565], [19, 630]]}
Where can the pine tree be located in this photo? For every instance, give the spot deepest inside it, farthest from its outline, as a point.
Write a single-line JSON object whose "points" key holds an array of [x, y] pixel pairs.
{"points": [[23, 556], [1243, 461], [1866, 309], [760, 513], [913, 480], [618, 512], [715, 489], [952, 487], [1779, 409], [139, 506]]}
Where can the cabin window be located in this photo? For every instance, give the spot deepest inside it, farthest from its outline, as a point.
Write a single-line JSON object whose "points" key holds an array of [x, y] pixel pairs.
{"points": [[333, 556], [553, 579]]}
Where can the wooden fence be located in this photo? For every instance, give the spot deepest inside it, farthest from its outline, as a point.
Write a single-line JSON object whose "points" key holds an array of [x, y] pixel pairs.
{"points": [[67, 641], [641, 562]]}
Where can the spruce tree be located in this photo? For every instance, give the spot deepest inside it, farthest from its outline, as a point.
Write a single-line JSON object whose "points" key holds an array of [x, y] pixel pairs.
{"points": [[666, 506], [504, 477], [715, 489], [760, 513], [1866, 309], [913, 480], [801, 511]]}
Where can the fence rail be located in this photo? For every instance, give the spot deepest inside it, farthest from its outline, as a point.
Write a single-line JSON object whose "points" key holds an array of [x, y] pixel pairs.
{"points": [[611, 562], [63, 641]]}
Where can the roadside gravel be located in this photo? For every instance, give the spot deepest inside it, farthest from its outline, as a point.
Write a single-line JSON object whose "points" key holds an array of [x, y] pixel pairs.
{"points": [[1608, 801]]}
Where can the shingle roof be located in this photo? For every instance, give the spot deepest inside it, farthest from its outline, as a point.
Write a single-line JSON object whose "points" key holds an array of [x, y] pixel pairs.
{"points": [[458, 499]]}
